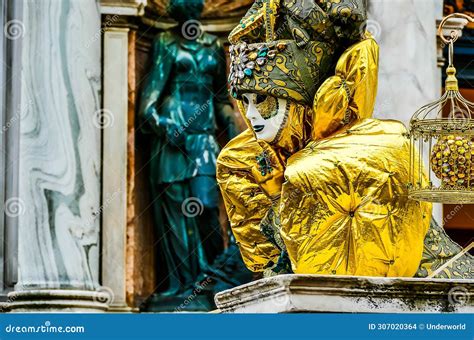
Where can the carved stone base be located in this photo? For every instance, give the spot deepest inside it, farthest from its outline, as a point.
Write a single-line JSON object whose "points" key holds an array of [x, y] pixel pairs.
{"points": [[120, 308], [348, 294], [57, 301]]}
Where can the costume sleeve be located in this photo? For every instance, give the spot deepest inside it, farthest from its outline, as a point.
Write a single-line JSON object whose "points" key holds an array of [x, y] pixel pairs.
{"points": [[350, 93], [246, 203]]}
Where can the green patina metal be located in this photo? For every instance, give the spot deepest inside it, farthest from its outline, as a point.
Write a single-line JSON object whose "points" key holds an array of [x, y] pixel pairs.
{"points": [[183, 100]]}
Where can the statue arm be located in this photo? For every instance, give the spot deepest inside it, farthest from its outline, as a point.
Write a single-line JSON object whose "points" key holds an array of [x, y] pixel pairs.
{"points": [[224, 110], [154, 86]]}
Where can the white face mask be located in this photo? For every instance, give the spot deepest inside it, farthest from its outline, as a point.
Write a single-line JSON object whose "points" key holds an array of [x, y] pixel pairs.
{"points": [[266, 114]]}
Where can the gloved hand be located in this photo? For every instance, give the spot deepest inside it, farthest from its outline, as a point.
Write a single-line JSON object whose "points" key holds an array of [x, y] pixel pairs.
{"points": [[269, 170]]}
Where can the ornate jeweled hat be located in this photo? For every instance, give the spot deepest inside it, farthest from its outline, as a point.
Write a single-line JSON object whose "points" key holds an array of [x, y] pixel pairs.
{"points": [[280, 69], [287, 48]]}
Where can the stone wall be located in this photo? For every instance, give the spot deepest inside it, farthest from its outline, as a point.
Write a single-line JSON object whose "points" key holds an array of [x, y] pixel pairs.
{"points": [[409, 76]]}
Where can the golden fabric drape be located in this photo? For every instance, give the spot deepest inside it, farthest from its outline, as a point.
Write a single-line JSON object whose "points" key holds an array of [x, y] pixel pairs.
{"points": [[342, 193]]}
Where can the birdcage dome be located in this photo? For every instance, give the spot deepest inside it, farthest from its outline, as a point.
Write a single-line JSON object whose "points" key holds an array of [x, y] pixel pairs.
{"points": [[442, 140]]}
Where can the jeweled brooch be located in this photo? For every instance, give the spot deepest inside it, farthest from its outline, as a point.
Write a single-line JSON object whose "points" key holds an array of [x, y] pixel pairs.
{"points": [[264, 163]]}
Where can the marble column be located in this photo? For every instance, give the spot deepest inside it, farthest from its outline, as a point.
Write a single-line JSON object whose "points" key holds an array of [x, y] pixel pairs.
{"points": [[409, 76], [128, 269], [115, 164], [59, 159]]}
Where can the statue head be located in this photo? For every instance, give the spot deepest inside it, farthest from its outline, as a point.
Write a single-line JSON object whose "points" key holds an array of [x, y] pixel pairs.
{"points": [[184, 10]]}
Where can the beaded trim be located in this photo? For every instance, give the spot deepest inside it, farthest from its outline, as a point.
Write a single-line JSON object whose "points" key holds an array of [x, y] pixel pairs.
{"points": [[283, 124], [264, 163], [348, 113]]}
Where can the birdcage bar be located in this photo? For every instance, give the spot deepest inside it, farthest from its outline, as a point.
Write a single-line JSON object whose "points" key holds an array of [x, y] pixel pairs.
{"points": [[442, 136]]}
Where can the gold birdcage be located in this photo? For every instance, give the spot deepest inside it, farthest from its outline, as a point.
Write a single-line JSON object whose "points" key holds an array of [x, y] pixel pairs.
{"points": [[442, 136]]}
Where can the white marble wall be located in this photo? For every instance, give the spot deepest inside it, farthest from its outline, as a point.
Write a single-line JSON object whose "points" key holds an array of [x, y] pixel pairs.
{"points": [[59, 187], [408, 73]]}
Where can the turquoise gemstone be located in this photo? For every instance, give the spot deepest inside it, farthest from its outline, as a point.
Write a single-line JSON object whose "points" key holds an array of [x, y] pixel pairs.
{"points": [[262, 52], [248, 72]]}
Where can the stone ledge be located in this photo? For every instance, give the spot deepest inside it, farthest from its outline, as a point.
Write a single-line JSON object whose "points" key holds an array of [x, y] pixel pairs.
{"points": [[57, 301], [348, 294]]}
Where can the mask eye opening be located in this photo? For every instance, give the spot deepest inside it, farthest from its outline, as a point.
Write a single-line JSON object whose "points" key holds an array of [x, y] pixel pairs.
{"points": [[260, 98]]}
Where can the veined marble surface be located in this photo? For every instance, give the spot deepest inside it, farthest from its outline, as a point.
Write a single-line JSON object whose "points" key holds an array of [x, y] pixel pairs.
{"points": [[59, 159]]}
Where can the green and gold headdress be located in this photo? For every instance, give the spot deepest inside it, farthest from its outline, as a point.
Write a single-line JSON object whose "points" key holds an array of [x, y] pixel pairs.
{"points": [[287, 48]]}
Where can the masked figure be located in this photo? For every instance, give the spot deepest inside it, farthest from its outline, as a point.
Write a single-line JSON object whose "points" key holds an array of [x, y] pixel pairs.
{"points": [[315, 185], [184, 97]]}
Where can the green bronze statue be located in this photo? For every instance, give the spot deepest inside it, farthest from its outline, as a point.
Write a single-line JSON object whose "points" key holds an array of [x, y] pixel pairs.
{"points": [[183, 100]]}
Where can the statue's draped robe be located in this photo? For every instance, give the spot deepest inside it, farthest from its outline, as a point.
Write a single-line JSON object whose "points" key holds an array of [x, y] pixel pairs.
{"points": [[182, 101]]}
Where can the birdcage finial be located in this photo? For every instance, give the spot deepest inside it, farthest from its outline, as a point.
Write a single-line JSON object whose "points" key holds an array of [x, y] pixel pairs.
{"points": [[442, 136]]}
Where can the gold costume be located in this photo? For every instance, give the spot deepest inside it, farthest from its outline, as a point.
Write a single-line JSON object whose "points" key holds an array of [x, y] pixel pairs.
{"points": [[345, 207], [329, 193]]}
